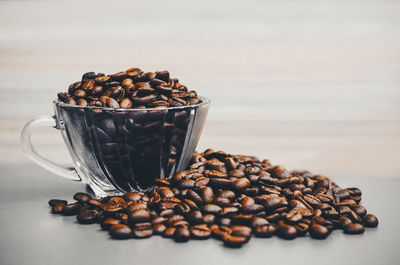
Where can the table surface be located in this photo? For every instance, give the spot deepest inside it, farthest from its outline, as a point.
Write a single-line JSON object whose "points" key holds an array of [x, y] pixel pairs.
{"points": [[30, 234]]}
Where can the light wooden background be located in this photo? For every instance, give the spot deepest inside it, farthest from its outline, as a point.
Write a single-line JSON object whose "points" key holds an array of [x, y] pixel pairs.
{"points": [[307, 84]]}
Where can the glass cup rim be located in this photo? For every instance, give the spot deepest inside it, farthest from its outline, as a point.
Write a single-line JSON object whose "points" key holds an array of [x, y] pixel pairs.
{"points": [[205, 101]]}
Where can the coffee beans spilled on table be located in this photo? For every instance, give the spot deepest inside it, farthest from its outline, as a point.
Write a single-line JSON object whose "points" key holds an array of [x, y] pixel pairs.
{"points": [[132, 88], [230, 198]]}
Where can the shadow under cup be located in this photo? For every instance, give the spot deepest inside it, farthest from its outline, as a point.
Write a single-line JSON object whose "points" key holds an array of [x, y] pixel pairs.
{"points": [[121, 150]]}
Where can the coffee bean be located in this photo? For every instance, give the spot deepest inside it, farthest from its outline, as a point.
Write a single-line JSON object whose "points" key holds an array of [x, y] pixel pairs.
{"points": [[370, 220], [120, 231], [159, 229], [82, 197], [140, 215], [354, 228], [241, 183], [106, 224], [265, 230], [71, 209], [207, 194], [58, 208], [200, 232], [169, 232], [318, 231], [142, 230], [286, 231], [55, 202], [241, 230], [87, 216], [234, 241], [182, 234]]}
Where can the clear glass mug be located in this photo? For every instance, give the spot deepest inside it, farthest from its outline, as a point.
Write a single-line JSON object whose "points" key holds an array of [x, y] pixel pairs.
{"points": [[120, 150]]}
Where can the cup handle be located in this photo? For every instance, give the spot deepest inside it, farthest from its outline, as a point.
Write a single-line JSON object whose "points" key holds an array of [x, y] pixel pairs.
{"points": [[26, 142]]}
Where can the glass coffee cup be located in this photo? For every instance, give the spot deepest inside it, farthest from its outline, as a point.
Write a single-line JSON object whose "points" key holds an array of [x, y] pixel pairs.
{"points": [[120, 150]]}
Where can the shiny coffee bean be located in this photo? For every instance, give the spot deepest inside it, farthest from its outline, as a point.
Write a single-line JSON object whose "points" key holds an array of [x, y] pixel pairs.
{"points": [[318, 231], [54, 202], [82, 197], [182, 234], [370, 220], [120, 231], [354, 228]]}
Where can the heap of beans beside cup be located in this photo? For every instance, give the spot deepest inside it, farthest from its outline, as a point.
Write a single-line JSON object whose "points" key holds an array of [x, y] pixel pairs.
{"points": [[132, 88], [230, 198]]}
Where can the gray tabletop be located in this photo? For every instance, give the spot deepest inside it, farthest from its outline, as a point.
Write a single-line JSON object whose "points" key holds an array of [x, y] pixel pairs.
{"points": [[30, 234]]}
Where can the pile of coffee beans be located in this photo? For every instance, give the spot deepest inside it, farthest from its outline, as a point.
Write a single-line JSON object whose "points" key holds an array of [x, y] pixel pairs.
{"points": [[230, 198], [132, 88]]}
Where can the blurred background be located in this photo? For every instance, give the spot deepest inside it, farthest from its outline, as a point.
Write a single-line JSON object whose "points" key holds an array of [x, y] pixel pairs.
{"points": [[308, 84]]}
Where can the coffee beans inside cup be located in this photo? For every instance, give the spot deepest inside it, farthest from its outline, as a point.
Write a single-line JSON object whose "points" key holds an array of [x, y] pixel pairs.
{"points": [[132, 88], [230, 198]]}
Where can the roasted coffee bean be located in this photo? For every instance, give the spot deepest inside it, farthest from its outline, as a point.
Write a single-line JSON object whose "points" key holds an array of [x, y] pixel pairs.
{"points": [[169, 232], [87, 216], [208, 219], [54, 202], [286, 231], [200, 231], [71, 209], [354, 228], [207, 194], [140, 215], [182, 234], [142, 230], [211, 208], [58, 208], [120, 231], [241, 230], [241, 183], [234, 241], [370, 220], [82, 197], [159, 229], [224, 221], [107, 223], [265, 230], [318, 231]]}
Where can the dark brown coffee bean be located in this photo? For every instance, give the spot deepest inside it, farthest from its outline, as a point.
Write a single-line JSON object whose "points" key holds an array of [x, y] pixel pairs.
{"points": [[265, 230], [354, 228], [207, 194], [169, 232], [286, 231], [241, 183], [370, 220], [80, 93], [137, 216], [159, 229], [241, 230], [318, 231], [132, 196], [182, 234], [82, 197], [211, 208], [87, 216], [120, 231], [234, 241], [71, 209], [200, 232], [126, 103], [112, 103], [58, 208], [107, 223], [224, 221], [142, 230], [359, 210], [54, 202], [208, 219]]}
